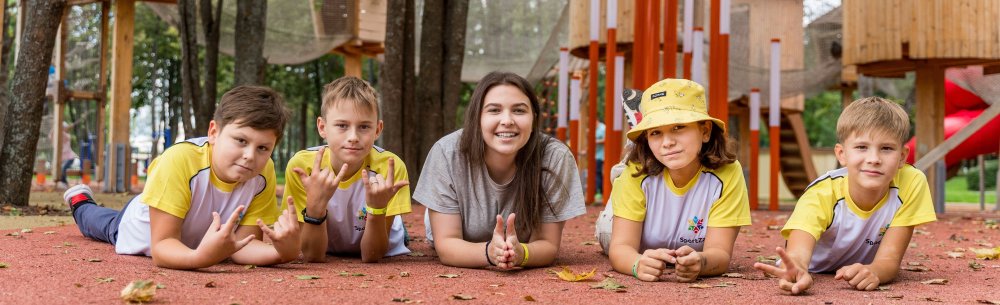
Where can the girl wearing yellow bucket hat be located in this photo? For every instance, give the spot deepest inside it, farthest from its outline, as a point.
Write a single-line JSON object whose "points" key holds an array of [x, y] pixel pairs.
{"points": [[681, 199]]}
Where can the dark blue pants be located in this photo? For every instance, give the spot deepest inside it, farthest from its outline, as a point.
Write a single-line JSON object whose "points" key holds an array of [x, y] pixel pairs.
{"points": [[99, 222], [65, 166], [599, 176]]}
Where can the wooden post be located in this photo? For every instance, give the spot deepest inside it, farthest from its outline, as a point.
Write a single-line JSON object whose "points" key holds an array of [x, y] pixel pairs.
{"points": [[352, 65], [982, 182], [846, 96], [653, 43], [563, 97], [121, 90], [754, 148], [774, 122], [688, 33], [670, 39], [610, 90], [58, 100], [594, 50], [574, 115], [98, 157], [930, 108]]}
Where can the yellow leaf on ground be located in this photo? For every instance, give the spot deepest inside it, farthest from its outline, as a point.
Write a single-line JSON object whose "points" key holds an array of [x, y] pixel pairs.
{"points": [[935, 282], [139, 291], [987, 253], [570, 276]]}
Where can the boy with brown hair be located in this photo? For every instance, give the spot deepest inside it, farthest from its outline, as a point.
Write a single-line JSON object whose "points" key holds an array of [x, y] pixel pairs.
{"points": [[350, 192], [176, 219], [857, 220]]}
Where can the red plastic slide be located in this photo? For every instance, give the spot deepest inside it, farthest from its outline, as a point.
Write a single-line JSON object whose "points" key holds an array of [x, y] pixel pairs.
{"points": [[961, 107]]}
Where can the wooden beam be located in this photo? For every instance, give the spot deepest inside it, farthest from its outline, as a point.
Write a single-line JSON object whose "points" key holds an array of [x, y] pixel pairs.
{"points": [[896, 68], [930, 110], [102, 87], [121, 99], [941, 150], [58, 98], [352, 65], [82, 95]]}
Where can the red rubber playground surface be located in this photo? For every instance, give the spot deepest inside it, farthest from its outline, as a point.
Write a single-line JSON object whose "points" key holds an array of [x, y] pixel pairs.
{"points": [[57, 265]]}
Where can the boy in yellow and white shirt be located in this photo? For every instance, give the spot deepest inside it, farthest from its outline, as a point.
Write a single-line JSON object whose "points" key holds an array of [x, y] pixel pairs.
{"points": [[857, 220], [176, 219], [350, 193]]}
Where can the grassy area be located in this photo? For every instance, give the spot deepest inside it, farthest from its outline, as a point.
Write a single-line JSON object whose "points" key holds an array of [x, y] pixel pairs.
{"points": [[955, 191]]}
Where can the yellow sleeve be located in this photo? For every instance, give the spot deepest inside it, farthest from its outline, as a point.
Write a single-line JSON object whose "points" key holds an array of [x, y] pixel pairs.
{"points": [[627, 198], [264, 205], [400, 203], [168, 186], [917, 206], [733, 207], [293, 184], [814, 211]]}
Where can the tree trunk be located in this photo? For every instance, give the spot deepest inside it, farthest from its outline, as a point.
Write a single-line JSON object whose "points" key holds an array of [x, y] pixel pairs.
{"points": [[25, 108], [397, 76], [5, 40], [251, 20], [190, 71], [205, 107], [442, 46]]}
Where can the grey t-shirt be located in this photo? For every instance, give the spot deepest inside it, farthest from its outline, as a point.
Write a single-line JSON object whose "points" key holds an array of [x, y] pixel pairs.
{"points": [[449, 185]]}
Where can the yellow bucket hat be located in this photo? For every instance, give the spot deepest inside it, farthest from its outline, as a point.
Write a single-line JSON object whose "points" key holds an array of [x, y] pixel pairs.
{"points": [[672, 101]]}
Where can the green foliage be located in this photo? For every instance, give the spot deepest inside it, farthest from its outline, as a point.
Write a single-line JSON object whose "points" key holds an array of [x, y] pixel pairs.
{"points": [[820, 118], [956, 191], [972, 176]]}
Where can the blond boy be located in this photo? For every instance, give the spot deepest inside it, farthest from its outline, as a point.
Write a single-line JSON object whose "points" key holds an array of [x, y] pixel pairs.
{"points": [[349, 192], [176, 219], [857, 220]]}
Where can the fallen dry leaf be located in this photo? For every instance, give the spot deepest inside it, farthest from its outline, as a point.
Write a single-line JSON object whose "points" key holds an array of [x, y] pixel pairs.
{"points": [[883, 288], [916, 268], [401, 300], [568, 275], [953, 254], [138, 291], [529, 298], [935, 282], [957, 238], [105, 279], [448, 276], [700, 286], [913, 244], [920, 232], [724, 284], [767, 259], [94, 260], [608, 283], [915, 264], [496, 285], [588, 243], [895, 297], [993, 302], [49, 232], [15, 234], [733, 275], [3, 265], [404, 274], [464, 297], [248, 267], [932, 299], [26, 230], [773, 228], [976, 265], [417, 254], [986, 253], [210, 284], [307, 277]]}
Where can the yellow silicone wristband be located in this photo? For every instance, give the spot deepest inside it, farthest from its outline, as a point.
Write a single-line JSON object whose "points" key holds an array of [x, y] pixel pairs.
{"points": [[524, 261], [374, 211]]}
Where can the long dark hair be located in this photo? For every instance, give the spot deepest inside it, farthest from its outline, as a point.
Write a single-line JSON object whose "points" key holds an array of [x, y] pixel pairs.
{"points": [[717, 152], [527, 192]]}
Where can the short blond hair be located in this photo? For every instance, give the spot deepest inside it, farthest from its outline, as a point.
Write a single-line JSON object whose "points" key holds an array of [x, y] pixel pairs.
{"points": [[350, 88], [874, 114]]}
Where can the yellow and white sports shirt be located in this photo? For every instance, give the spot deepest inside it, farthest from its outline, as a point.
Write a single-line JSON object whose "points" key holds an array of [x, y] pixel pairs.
{"points": [[846, 234], [673, 217], [181, 183], [346, 214]]}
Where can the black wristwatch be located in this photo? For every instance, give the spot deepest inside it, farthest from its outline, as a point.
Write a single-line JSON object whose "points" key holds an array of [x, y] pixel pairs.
{"points": [[310, 220]]}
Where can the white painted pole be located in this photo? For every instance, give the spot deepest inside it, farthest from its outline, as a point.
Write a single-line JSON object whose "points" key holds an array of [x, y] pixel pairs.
{"points": [[754, 111], [774, 113], [688, 25], [612, 19], [697, 61], [574, 100], [563, 87], [619, 80]]}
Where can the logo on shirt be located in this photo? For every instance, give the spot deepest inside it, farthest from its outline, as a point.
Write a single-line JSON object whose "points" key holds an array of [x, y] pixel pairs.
{"points": [[696, 225], [881, 231], [362, 214]]}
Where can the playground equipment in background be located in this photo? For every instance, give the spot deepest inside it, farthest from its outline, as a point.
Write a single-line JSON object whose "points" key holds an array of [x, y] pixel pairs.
{"points": [[961, 106]]}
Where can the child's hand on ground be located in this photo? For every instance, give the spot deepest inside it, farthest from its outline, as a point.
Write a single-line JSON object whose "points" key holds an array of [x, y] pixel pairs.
{"points": [[285, 235], [651, 264], [220, 239], [320, 184], [379, 190], [858, 276], [688, 263], [791, 276]]}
